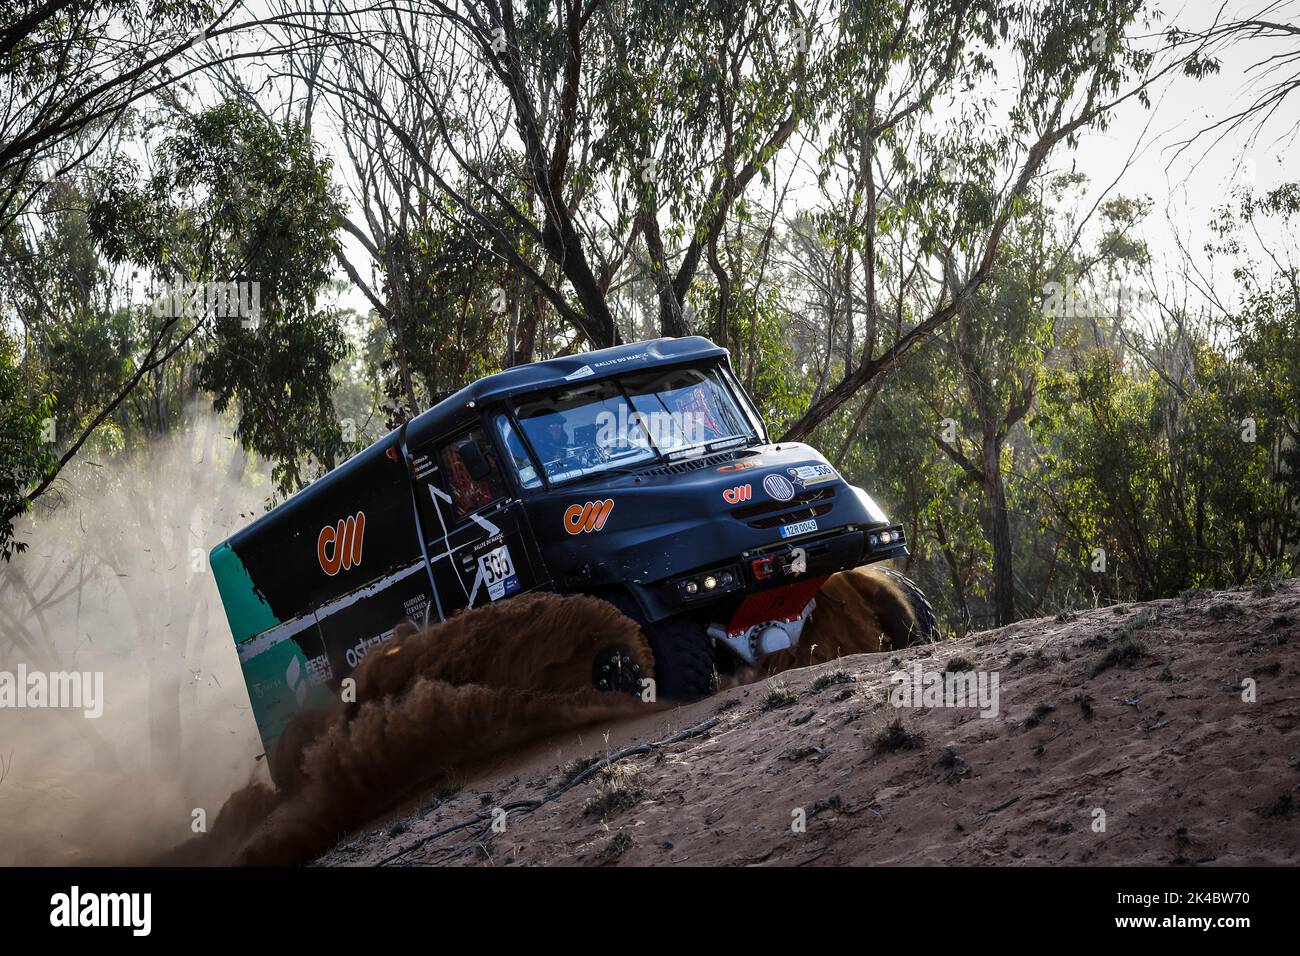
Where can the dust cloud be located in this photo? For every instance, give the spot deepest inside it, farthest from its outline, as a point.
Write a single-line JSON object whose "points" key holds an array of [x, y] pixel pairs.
{"points": [[481, 683], [115, 581]]}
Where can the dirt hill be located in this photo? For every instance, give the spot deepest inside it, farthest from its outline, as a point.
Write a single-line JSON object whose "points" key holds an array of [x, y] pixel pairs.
{"points": [[1161, 733]]}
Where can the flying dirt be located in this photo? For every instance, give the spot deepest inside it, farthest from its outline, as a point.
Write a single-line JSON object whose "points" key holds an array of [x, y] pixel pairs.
{"points": [[862, 611], [488, 680], [430, 700]]}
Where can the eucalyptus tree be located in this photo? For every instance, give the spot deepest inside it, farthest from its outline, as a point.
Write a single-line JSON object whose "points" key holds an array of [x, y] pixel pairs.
{"points": [[930, 165]]}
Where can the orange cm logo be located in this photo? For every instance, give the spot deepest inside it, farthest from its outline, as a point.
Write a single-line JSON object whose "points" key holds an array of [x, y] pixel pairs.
{"points": [[579, 519], [346, 542], [738, 494]]}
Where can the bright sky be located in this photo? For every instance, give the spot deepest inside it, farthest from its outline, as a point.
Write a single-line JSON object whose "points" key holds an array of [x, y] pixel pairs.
{"points": [[1185, 187]]}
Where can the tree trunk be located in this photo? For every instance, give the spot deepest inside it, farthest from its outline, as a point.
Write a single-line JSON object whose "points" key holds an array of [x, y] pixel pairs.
{"points": [[998, 530]]}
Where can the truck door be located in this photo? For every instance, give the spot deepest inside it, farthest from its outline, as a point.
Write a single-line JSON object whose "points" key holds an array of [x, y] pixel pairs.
{"points": [[479, 544]]}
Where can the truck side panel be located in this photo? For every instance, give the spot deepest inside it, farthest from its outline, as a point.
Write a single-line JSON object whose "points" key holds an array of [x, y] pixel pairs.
{"points": [[350, 528], [310, 587], [283, 670]]}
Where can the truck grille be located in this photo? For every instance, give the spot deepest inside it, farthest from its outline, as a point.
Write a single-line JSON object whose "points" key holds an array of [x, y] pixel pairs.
{"points": [[769, 507], [803, 514]]}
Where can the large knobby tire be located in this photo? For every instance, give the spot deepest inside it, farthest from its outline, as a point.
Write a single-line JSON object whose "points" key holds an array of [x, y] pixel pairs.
{"points": [[927, 628], [683, 653]]}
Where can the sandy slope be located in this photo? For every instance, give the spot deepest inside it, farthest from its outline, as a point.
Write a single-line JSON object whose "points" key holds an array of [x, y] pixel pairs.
{"points": [[1185, 770]]}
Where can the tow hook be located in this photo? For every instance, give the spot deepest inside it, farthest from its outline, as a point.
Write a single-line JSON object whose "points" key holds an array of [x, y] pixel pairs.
{"points": [[791, 562]]}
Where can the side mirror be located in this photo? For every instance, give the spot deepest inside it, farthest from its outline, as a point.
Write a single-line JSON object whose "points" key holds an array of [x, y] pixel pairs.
{"points": [[476, 462]]}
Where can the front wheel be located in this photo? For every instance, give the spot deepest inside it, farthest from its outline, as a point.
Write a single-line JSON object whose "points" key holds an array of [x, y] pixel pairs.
{"points": [[683, 653], [865, 610], [615, 668]]}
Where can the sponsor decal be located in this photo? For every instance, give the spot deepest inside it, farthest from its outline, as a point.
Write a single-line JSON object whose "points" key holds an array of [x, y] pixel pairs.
{"points": [[813, 474], [637, 356], [357, 653], [738, 466], [779, 487], [799, 527], [580, 519], [318, 672], [293, 677], [738, 494], [589, 370], [498, 573], [339, 548]]}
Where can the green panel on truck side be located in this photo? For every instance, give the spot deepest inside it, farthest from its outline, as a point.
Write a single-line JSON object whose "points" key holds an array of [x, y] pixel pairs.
{"points": [[247, 613], [280, 685]]}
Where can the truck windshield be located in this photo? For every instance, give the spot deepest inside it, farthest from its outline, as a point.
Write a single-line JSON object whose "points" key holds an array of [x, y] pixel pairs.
{"points": [[616, 423], [686, 409]]}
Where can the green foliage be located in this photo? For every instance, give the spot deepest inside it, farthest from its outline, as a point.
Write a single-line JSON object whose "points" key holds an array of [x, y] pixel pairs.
{"points": [[895, 458], [59, 292], [1184, 488], [452, 298], [666, 83], [25, 407], [69, 72], [761, 353], [238, 199]]}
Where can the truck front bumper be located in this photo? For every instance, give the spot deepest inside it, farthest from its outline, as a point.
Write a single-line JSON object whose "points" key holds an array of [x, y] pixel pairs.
{"points": [[773, 566]]}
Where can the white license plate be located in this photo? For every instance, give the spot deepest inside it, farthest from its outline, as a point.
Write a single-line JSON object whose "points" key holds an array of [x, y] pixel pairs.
{"points": [[799, 527]]}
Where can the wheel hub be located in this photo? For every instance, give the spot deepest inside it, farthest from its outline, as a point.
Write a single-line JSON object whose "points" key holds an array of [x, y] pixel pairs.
{"points": [[614, 670]]}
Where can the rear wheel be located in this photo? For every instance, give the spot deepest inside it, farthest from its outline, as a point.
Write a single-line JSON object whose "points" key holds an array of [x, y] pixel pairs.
{"points": [[927, 628]]}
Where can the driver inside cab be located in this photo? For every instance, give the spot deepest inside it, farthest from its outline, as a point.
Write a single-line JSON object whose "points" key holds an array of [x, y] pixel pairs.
{"points": [[552, 441]]}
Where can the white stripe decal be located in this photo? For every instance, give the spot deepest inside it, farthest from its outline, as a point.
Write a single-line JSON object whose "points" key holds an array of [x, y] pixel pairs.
{"points": [[478, 579], [282, 632], [483, 523], [436, 493]]}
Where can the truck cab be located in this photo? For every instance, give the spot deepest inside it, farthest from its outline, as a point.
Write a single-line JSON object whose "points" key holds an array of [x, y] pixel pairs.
{"points": [[640, 474]]}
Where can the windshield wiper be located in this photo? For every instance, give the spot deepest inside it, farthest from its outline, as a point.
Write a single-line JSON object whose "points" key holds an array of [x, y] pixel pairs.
{"points": [[608, 472]]}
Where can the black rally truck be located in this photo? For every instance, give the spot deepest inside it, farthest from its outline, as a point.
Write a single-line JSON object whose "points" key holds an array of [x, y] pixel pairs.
{"points": [[641, 474]]}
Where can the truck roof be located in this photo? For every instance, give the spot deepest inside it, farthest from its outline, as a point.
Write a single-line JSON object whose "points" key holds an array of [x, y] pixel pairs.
{"points": [[556, 373], [456, 408]]}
